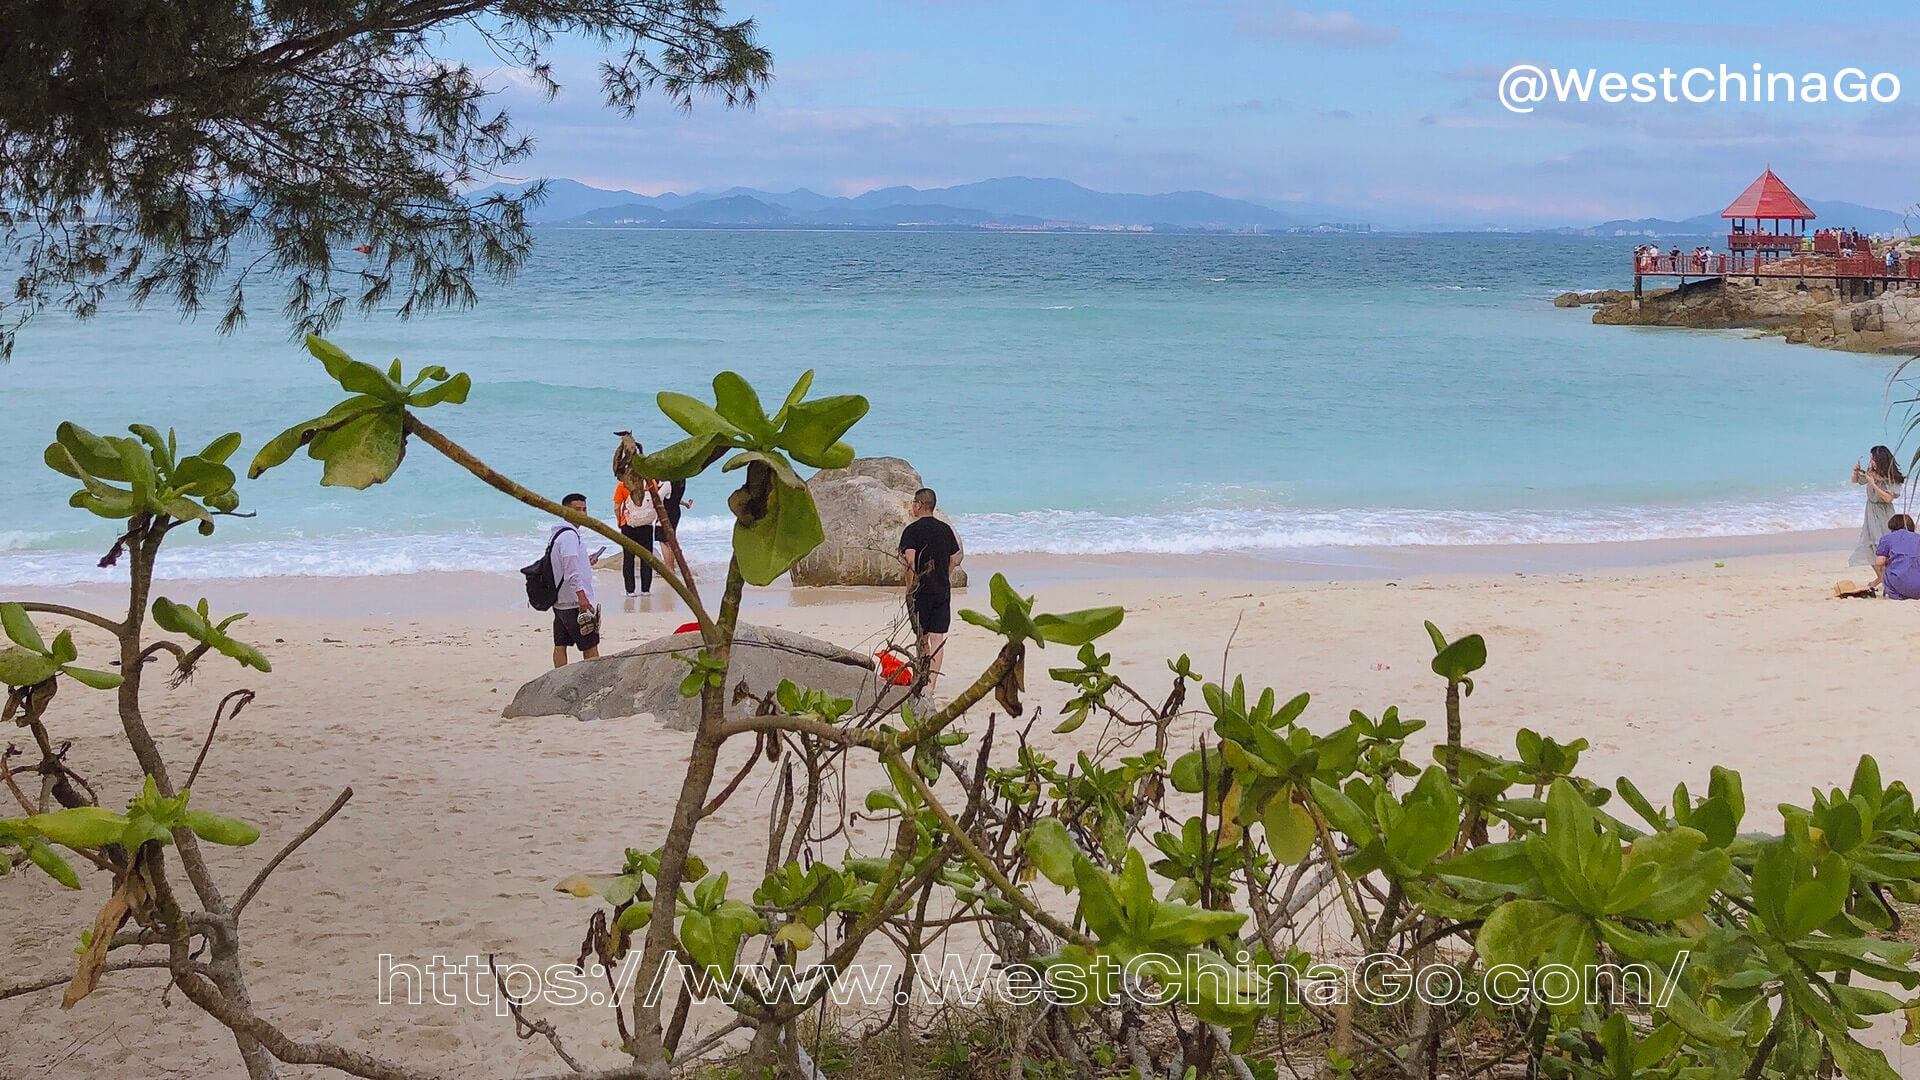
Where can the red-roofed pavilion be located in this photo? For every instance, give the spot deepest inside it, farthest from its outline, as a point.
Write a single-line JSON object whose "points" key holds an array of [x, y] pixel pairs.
{"points": [[1770, 240], [1771, 201]]}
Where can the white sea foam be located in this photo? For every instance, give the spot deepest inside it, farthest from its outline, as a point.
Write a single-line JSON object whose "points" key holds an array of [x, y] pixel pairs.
{"points": [[1242, 529], [1255, 530]]}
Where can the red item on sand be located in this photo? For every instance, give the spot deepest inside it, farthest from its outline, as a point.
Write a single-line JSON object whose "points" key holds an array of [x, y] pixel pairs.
{"points": [[893, 669], [689, 628]]}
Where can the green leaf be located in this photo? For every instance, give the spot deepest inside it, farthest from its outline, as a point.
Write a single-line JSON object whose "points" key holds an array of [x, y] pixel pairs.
{"points": [[782, 471], [1099, 904], [220, 449], [635, 916], [281, 447], [985, 622], [696, 933], [1428, 823], [19, 627], [1858, 1062], [1183, 925], [1014, 610], [361, 452], [696, 417], [800, 388], [137, 462], [1865, 1001], [179, 619], [1078, 627], [199, 477], [1686, 1013], [216, 829], [796, 935], [110, 503], [1526, 933], [452, 392], [1461, 658], [1290, 829], [1812, 904], [736, 400], [84, 451], [1503, 864], [354, 376], [1342, 812], [50, 861], [80, 827], [1135, 891], [1188, 768], [769, 547], [193, 622], [1686, 873], [18, 667], [98, 680], [813, 430], [157, 443], [683, 459], [185, 509], [1051, 850]]}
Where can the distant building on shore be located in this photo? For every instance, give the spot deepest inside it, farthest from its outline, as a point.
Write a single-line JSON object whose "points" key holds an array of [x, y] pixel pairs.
{"points": [[1331, 227]]}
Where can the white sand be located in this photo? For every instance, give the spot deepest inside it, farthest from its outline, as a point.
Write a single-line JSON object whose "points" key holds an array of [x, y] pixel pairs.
{"points": [[462, 821]]}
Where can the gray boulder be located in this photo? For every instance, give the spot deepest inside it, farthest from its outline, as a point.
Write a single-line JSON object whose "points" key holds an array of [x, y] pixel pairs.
{"points": [[646, 680], [863, 507]]}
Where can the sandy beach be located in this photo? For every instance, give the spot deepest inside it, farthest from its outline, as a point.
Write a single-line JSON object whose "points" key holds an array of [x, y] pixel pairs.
{"points": [[462, 821]]}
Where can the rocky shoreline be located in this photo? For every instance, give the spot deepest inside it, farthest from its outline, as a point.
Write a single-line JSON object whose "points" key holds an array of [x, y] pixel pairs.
{"points": [[1808, 313]]}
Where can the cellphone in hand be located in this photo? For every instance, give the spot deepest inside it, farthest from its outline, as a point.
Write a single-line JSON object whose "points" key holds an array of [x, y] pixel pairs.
{"points": [[602, 551]]}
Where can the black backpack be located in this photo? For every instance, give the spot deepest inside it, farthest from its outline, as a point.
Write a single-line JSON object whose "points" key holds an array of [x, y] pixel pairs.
{"points": [[542, 588]]}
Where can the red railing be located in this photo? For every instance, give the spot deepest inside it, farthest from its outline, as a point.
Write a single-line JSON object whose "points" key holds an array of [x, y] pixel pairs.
{"points": [[1753, 241], [1690, 265], [1796, 266]]}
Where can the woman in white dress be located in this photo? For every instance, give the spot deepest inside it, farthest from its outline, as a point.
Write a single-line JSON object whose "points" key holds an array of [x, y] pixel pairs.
{"points": [[1883, 482]]}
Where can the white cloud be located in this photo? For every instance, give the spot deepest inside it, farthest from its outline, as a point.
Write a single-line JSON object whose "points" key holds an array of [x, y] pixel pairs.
{"points": [[1337, 29]]}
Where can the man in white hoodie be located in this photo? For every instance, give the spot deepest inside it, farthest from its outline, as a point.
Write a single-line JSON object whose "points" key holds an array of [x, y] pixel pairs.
{"points": [[576, 619]]}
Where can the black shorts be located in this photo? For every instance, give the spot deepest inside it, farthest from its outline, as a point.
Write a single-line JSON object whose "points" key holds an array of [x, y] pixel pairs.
{"points": [[566, 630], [935, 612]]}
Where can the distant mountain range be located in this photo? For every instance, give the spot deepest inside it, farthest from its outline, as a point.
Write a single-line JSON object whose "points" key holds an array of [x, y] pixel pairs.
{"points": [[1007, 202], [1019, 202]]}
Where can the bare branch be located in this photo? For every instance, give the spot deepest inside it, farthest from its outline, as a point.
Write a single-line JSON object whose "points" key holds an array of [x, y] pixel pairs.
{"points": [[274, 864]]}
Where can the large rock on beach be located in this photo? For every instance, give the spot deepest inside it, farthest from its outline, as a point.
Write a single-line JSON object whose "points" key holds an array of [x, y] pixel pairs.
{"points": [[645, 681], [863, 507]]}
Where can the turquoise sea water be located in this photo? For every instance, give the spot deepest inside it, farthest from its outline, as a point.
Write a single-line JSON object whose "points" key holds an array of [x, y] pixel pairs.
{"points": [[1064, 393]]}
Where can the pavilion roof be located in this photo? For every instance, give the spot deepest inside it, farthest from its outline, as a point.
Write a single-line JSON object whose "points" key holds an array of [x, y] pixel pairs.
{"points": [[1768, 197]]}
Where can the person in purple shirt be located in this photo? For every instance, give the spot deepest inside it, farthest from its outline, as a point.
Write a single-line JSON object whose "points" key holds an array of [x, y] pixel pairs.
{"points": [[1897, 560]]}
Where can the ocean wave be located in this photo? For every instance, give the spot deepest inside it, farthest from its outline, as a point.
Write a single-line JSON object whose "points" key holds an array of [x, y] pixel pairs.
{"points": [[1255, 530], [1228, 529], [20, 539], [341, 557]]}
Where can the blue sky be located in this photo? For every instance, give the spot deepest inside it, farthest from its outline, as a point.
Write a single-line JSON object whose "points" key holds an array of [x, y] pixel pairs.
{"points": [[1388, 107]]}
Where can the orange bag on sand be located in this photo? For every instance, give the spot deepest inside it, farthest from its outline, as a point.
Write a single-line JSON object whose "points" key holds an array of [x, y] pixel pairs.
{"points": [[893, 669]]}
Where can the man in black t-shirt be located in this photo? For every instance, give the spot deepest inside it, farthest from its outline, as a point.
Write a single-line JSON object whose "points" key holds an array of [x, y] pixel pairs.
{"points": [[929, 550]]}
